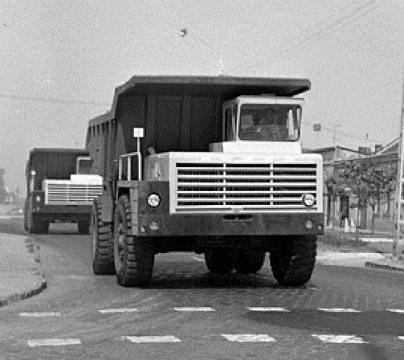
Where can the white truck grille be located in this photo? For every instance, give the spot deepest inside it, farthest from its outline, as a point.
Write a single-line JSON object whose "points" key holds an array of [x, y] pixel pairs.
{"points": [[66, 193], [234, 187]]}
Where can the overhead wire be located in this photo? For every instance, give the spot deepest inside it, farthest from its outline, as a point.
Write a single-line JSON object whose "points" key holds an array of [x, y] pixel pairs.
{"points": [[299, 41], [52, 100]]}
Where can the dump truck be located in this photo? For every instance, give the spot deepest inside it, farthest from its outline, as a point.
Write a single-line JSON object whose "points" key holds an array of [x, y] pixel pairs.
{"points": [[205, 164], [61, 187]]}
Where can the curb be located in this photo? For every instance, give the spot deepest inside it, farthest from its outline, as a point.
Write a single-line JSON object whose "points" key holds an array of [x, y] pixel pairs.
{"points": [[39, 287], [383, 266]]}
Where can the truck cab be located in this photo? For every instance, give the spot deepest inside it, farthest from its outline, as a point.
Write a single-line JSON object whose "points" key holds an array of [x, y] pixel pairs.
{"points": [[261, 124]]}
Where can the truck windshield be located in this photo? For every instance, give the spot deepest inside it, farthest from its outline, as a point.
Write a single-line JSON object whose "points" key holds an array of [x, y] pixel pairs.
{"points": [[260, 122]]}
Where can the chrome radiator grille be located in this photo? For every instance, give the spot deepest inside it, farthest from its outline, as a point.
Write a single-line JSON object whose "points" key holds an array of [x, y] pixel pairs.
{"points": [[229, 187], [71, 194]]}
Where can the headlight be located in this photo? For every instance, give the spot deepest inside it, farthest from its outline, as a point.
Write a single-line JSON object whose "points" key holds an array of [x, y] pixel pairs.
{"points": [[153, 200], [38, 198], [309, 224], [308, 199]]}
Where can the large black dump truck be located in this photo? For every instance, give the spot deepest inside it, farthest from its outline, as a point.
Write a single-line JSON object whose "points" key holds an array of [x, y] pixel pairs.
{"points": [[60, 187], [206, 164]]}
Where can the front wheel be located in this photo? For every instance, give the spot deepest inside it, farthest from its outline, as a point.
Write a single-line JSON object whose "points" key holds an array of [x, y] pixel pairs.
{"points": [[249, 261], [292, 259], [220, 261], [133, 256], [83, 226]]}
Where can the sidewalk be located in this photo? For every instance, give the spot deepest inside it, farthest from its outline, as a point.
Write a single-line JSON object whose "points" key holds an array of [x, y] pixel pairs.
{"points": [[20, 275], [375, 250]]}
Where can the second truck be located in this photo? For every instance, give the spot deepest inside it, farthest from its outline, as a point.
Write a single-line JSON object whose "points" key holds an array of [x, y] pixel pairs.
{"points": [[206, 164]]}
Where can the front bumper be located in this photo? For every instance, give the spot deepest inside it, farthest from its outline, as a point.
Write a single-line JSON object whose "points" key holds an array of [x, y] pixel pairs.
{"points": [[148, 221]]}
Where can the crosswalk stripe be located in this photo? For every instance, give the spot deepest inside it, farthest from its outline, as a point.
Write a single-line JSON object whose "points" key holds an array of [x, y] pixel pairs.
{"points": [[152, 339], [398, 311], [52, 342], [269, 309], [341, 339], [118, 310], [39, 314], [339, 310], [248, 338], [201, 308]]}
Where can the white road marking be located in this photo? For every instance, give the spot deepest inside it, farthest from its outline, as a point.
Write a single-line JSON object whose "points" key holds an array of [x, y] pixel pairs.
{"points": [[399, 311], [39, 314], [248, 338], [198, 258], [201, 308], [152, 339], [401, 338], [339, 310], [341, 339], [269, 309], [53, 342], [118, 310]]}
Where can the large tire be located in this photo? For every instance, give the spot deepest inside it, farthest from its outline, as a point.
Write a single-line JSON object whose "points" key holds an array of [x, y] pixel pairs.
{"points": [[220, 261], [249, 261], [292, 259], [83, 226], [33, 223], [102, 242], [134, 256]]}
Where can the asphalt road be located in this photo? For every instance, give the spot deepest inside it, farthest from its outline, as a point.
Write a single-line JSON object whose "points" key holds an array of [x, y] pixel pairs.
{"points": [[187, 313]]}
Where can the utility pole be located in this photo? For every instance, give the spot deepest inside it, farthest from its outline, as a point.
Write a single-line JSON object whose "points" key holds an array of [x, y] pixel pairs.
{"points": [[185, 31], [400, 179], [335, 133]]}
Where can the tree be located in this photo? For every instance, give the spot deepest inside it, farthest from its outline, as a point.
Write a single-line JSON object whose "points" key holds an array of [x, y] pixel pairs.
{"points": [[368, 183]]}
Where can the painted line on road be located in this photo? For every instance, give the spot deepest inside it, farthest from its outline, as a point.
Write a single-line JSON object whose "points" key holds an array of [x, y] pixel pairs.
{"points": [[269, 309], [53, 342], [198, 258], [398, 311], [400, 338], [39, 314], [339, 310], [118, 310], [341, 339], [242, 338], [151, 339], [201, 308]]}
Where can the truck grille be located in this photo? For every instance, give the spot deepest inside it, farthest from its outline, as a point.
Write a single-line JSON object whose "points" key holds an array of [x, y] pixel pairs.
{"points": [[71, 194], [233, 187]]}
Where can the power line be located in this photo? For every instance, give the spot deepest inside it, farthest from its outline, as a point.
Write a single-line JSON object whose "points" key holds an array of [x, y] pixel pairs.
{"points": [[334, 131], [50, 100], [299, 43]]}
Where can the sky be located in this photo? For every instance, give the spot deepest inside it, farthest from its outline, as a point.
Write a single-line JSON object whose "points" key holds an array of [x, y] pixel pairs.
{"points": [[60, 62]]}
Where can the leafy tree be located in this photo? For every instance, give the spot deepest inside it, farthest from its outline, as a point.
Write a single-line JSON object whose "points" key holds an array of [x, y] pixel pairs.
{"points": [[367, 182]]}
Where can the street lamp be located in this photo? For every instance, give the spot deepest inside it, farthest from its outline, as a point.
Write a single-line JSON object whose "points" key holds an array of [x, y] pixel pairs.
{"points": [[184, 32]]}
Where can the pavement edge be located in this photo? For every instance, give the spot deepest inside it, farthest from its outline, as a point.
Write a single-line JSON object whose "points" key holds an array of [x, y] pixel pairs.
{"points": [[39, 285]]}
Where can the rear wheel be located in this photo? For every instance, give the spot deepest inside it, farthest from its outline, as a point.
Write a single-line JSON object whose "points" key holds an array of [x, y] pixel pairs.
{"points": [[134, 256], [220, 261], [249, 261], [292, 259], [102, 241]]}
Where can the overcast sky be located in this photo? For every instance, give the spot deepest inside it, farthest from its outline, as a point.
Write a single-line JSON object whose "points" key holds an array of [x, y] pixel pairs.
{"points": [[60, 62]]}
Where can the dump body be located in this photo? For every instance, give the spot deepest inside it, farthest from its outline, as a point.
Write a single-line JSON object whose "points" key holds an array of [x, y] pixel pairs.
{"points": [[55, 189]]}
